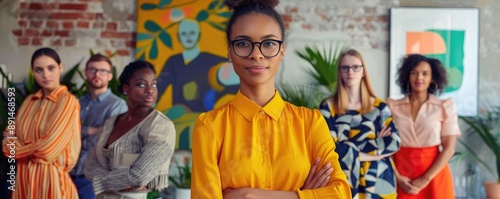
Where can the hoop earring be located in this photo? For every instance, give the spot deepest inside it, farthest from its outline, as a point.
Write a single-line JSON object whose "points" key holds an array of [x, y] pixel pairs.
{"points": [[435, 85]]}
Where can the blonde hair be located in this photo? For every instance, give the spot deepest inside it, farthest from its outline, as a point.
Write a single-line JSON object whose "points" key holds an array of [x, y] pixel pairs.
{"points": [[340, 98]]}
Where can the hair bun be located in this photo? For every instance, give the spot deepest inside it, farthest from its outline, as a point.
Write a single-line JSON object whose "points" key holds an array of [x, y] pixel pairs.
{"points": [[237, 4]]}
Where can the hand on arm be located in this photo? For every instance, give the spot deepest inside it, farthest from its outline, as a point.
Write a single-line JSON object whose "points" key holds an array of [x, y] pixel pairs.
{"points": [[253, 193], [322, 145], [93, 130], [368, 157], [406, 185], [65, 128], [318, 179], [95, 172], [389, 140], [314, 180], [159, 146], [385, 131]]}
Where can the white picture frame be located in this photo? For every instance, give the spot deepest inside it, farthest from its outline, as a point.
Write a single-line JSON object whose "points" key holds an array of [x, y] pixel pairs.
{"points": [[448, 34]]}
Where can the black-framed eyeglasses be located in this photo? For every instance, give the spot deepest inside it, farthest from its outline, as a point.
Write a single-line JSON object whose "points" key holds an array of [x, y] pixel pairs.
{"points": [[244, 47], [354, 68], [99, 71]]}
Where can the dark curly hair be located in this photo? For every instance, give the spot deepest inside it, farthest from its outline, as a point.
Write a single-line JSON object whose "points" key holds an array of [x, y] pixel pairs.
{"points": [[244, 7], [409, 63], [130, 70]]}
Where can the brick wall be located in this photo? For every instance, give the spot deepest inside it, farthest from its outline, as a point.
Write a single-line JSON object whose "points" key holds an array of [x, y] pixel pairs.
{"points": [[83, 23], [364, 23], [88, 23]]}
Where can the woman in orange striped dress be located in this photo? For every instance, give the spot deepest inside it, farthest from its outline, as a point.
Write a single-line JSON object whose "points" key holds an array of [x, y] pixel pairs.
{"points": [[46, 139]]}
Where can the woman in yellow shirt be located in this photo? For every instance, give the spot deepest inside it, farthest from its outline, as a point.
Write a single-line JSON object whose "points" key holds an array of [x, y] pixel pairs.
{"points": [[48, 134], [257, 145]]}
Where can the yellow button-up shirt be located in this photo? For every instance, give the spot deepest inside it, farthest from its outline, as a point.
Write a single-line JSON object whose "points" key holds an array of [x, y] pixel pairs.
{"points": [[241, 144]]}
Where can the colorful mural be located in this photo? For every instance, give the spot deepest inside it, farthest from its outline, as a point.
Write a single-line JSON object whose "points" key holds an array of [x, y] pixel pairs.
{"points": [[185, 41]]}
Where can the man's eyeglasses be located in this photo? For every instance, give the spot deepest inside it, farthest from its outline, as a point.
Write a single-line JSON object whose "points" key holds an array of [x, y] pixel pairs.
{"points": [[244, 47], [101, 72], [354, 68]]}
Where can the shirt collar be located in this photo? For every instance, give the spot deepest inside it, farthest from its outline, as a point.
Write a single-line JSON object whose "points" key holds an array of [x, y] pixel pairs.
{"points": [[249, 109], [101, 97], [433, 99], [53, 96]]}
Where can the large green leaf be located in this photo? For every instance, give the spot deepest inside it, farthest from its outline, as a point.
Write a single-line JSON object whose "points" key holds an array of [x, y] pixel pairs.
{"points": [[164, 3], [487, 127], [202, 16], [184, 178], [148, 6], [153, 52], [222, 3], [324, 65], [143, 36], [67, 79], [114, 83], [321, 77], [166, 39], [213, 4], [302, 95], [30, 86], [152, 26], [225, 14], [142, 57], [218, 26]]}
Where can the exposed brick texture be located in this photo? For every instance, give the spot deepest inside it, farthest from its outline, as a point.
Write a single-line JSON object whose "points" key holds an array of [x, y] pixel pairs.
{"points": [[70, 23], [84, 24], [364, 22], [79, 24]]}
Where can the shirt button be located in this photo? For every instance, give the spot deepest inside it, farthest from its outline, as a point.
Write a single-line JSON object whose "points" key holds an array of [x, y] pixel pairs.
{"points": [[262, 112]]}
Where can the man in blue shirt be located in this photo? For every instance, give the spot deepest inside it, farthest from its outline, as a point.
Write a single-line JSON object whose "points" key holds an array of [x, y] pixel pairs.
{"points": [[96, 107]]}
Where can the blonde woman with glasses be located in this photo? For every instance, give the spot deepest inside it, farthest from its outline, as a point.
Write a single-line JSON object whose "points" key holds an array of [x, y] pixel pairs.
{"points": [[362, 128]]}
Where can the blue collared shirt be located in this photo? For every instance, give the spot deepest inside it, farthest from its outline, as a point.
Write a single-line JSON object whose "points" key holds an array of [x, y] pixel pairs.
{"points": [[93, 114]]}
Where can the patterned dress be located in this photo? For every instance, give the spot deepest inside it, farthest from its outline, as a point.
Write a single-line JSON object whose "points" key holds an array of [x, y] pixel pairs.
{"points": [[354, 133]]}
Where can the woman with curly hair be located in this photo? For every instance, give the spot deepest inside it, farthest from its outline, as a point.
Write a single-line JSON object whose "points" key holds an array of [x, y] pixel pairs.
{"points": [[425, 124], [257, 145]]}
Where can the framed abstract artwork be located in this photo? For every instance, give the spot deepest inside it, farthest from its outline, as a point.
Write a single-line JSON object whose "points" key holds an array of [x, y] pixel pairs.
{"points": [[448, 34]]}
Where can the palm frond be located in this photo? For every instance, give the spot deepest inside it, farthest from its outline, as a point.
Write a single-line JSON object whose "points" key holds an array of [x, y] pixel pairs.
{"points": [[324, 65], [487, 127], [302, 95]]}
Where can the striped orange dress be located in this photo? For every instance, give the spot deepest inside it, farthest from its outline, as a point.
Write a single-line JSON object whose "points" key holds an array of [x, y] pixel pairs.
{"points": [[47, 145]]}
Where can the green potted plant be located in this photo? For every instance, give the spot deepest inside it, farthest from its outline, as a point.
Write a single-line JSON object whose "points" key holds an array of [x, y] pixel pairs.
{"points": [[321, 79], [486, 126], [182, 180]]}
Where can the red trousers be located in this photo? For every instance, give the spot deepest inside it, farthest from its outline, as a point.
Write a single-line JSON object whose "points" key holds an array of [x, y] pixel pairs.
{"points": [[413, 163]]}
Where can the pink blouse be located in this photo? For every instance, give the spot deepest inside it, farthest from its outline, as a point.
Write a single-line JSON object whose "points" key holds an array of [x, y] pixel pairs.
{"points": [[435, 119]]}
